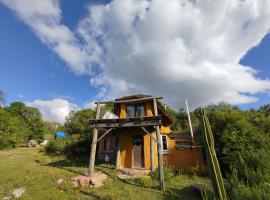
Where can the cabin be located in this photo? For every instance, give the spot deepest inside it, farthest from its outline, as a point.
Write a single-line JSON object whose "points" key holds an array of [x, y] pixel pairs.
{"points": [[131, 138]]}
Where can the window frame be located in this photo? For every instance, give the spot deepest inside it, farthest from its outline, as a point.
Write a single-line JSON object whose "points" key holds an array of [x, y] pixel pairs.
{"points": [[135, 106], [165, 151]]}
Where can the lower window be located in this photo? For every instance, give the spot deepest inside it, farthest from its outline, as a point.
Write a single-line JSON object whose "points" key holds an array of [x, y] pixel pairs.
{"points": [[165, 143]]}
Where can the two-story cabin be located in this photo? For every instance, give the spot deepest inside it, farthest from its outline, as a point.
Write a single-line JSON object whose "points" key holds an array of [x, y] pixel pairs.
{"points": [[132, 127]]}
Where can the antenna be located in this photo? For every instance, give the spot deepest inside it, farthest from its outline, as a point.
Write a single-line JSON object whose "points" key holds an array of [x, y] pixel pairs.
{"points": [[189, 121]]}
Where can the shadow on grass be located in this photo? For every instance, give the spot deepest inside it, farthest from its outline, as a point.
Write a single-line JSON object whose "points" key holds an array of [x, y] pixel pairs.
{"points": [[90, 194], [109, 170], [66, 164], [185, 193]]}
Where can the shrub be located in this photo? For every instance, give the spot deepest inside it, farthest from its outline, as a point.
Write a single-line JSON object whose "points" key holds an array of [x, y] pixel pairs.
{"points": [[168, 173], [3, 143], [79, 148], [198, 171], [145, 181], [57, 146]]}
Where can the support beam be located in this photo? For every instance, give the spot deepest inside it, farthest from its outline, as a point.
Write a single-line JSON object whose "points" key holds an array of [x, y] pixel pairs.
{"points": [[118, 153], [152, 153], [151, 135], [104, 134], [152, 140], [94, 145], [160, 156]]}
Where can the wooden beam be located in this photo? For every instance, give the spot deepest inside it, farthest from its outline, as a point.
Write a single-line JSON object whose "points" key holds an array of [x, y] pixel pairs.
{"points": [[94, 145], [104, 134], [118, 153], [160, 156], [129, 100], [147, 132], [152, 153], [109, 124]]}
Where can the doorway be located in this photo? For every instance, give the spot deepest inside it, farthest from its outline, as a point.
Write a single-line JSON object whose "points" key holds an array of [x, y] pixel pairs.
{"points": [[137, 152]]}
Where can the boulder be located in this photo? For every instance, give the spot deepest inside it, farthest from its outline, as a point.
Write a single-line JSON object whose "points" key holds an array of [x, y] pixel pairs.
{"points": [[18, 192], [60, 181], [198, 188], [96, 180], [32, 143]]}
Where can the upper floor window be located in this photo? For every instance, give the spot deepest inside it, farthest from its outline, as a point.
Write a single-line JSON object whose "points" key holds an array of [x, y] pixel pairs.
{"points": [[135, 110]]}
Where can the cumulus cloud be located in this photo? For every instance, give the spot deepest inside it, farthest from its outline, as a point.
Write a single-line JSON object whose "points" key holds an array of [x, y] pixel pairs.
{"points": [[44, 18], [55, 109], [181, 49]]}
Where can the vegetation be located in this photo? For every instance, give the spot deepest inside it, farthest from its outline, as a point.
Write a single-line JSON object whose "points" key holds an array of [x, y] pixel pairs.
{"points": [[18, 124], [242, 140], [77, 122], [38, 174]]}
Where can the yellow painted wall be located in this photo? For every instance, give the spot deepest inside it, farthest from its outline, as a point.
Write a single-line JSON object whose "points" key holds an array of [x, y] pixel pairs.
{"points": [[175, 158]]}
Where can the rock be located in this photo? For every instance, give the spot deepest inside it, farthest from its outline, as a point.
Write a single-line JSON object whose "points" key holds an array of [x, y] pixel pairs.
{"points": [[81, 180], [198, 188], [7, 198], [32, 143], [98, 179], [18, 192], [60, 181], [84, 181], [75, 183]]}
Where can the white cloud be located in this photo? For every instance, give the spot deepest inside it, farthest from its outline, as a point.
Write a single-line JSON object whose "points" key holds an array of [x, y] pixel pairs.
{"points": [[90, 105], [181, 49], [44, 18], [55, 109], [20, 96]]}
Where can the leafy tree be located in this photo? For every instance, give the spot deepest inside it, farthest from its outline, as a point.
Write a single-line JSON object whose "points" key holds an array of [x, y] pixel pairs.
{"points": [[242, 147], [13, 130], [32, 117], [78, 122]]}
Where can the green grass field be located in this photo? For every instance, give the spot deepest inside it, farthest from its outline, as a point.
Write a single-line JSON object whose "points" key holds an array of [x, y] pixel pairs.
{"points": [[38, 174]]}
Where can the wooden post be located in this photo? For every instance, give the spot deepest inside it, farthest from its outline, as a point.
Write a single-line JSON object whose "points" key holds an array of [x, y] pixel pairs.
{"points": [[94, 145], [118, 153], [152, 160], [160, 156]]}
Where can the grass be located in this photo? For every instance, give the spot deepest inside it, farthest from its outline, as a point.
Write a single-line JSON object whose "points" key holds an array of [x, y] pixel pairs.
{"points": [[38, 173]]}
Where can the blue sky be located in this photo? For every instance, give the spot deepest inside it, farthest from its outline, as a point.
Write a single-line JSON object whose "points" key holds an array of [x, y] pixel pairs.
{"points": [[33, 69]]}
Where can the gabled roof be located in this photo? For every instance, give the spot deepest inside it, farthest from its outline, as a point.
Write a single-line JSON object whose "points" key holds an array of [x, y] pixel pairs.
{"points": [[166, 118]]}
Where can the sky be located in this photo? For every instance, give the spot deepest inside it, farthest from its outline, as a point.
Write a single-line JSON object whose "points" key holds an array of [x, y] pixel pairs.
{"points": [[61, 55]]}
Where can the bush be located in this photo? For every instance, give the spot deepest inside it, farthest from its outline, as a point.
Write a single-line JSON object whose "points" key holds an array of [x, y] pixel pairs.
{"points": [[168, 173], [69, 147], [79, 148], [198, 171], [145, 181], [241, 191], [57, 146], [3, 143]]}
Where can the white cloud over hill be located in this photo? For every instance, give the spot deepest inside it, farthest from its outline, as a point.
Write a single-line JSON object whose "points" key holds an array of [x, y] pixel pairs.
{"points": [[56, 109], [181, 49]]}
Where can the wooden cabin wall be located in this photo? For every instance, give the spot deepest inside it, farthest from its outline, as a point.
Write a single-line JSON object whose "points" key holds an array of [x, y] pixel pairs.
{"points": [[176, 158]]}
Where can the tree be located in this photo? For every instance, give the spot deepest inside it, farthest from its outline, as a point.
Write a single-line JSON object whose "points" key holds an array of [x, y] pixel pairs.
{"points": [[78, 122], [13, 131], [32, 117]]}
